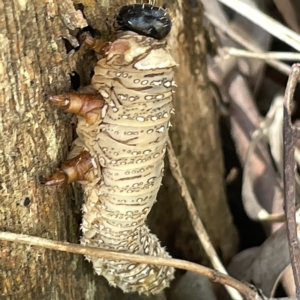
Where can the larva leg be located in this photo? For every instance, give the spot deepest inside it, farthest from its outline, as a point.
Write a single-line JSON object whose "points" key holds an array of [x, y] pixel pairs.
{"points": [[75, 169], [87, 106], [98, 45]]}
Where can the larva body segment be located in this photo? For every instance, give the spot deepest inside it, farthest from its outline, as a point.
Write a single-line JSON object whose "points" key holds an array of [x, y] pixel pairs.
{"points": [[135, 79], [122, 142]]}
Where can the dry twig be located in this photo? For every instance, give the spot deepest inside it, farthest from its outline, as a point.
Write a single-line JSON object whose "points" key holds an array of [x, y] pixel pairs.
{"points": [[197, 223], [293, 56], [280, 66], [290, 135], [213, 275], [269, 24]]}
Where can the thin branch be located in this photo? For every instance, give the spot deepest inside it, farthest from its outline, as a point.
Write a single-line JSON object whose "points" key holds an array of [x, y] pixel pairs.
{"points": [[280, 66], [262, 20], [197, 223], [293, 56], [290, 135], [215, 276]]}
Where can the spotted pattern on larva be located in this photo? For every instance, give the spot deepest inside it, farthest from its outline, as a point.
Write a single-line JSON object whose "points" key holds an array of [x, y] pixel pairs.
{"points": [[128, 144]]}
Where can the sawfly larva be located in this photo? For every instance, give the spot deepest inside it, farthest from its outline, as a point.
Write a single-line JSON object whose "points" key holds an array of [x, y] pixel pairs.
{"points": [[118, 155]]}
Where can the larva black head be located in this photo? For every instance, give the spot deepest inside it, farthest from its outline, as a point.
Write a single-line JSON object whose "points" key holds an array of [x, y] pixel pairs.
{"points": [[145, 19]]}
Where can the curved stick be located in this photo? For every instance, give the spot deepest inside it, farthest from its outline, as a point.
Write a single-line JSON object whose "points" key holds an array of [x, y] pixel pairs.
{"points": [[196, 222], [215, 276], [290, 135]]}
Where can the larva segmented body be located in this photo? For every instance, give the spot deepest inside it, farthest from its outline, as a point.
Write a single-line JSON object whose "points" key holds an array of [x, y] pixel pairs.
{"points": [[127, 143]]}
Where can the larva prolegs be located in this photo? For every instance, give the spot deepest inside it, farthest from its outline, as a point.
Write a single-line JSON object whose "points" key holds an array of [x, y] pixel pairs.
{"points": [[87, 106], [75, 169]]}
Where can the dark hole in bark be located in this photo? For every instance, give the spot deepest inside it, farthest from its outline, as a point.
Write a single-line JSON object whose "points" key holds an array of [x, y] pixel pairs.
{"points": [[75, 80], [26, 201], [68, 46]]}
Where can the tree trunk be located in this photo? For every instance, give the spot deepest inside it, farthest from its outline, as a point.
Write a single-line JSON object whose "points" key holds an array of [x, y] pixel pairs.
{"points": [[35, 137]]}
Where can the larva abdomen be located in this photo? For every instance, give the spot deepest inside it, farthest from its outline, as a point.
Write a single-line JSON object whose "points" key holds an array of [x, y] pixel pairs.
{"points": [[131, 142]]}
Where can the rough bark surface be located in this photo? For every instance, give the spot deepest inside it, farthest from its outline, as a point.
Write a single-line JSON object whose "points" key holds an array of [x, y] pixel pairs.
{"points": [[35, 137]]}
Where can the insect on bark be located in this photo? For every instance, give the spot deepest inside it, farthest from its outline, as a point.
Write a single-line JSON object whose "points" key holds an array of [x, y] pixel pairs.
{"points": [[118, 156]]}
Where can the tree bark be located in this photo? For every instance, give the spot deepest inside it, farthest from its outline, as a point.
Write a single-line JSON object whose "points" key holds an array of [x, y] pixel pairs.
{"points": [[35, 138]]}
